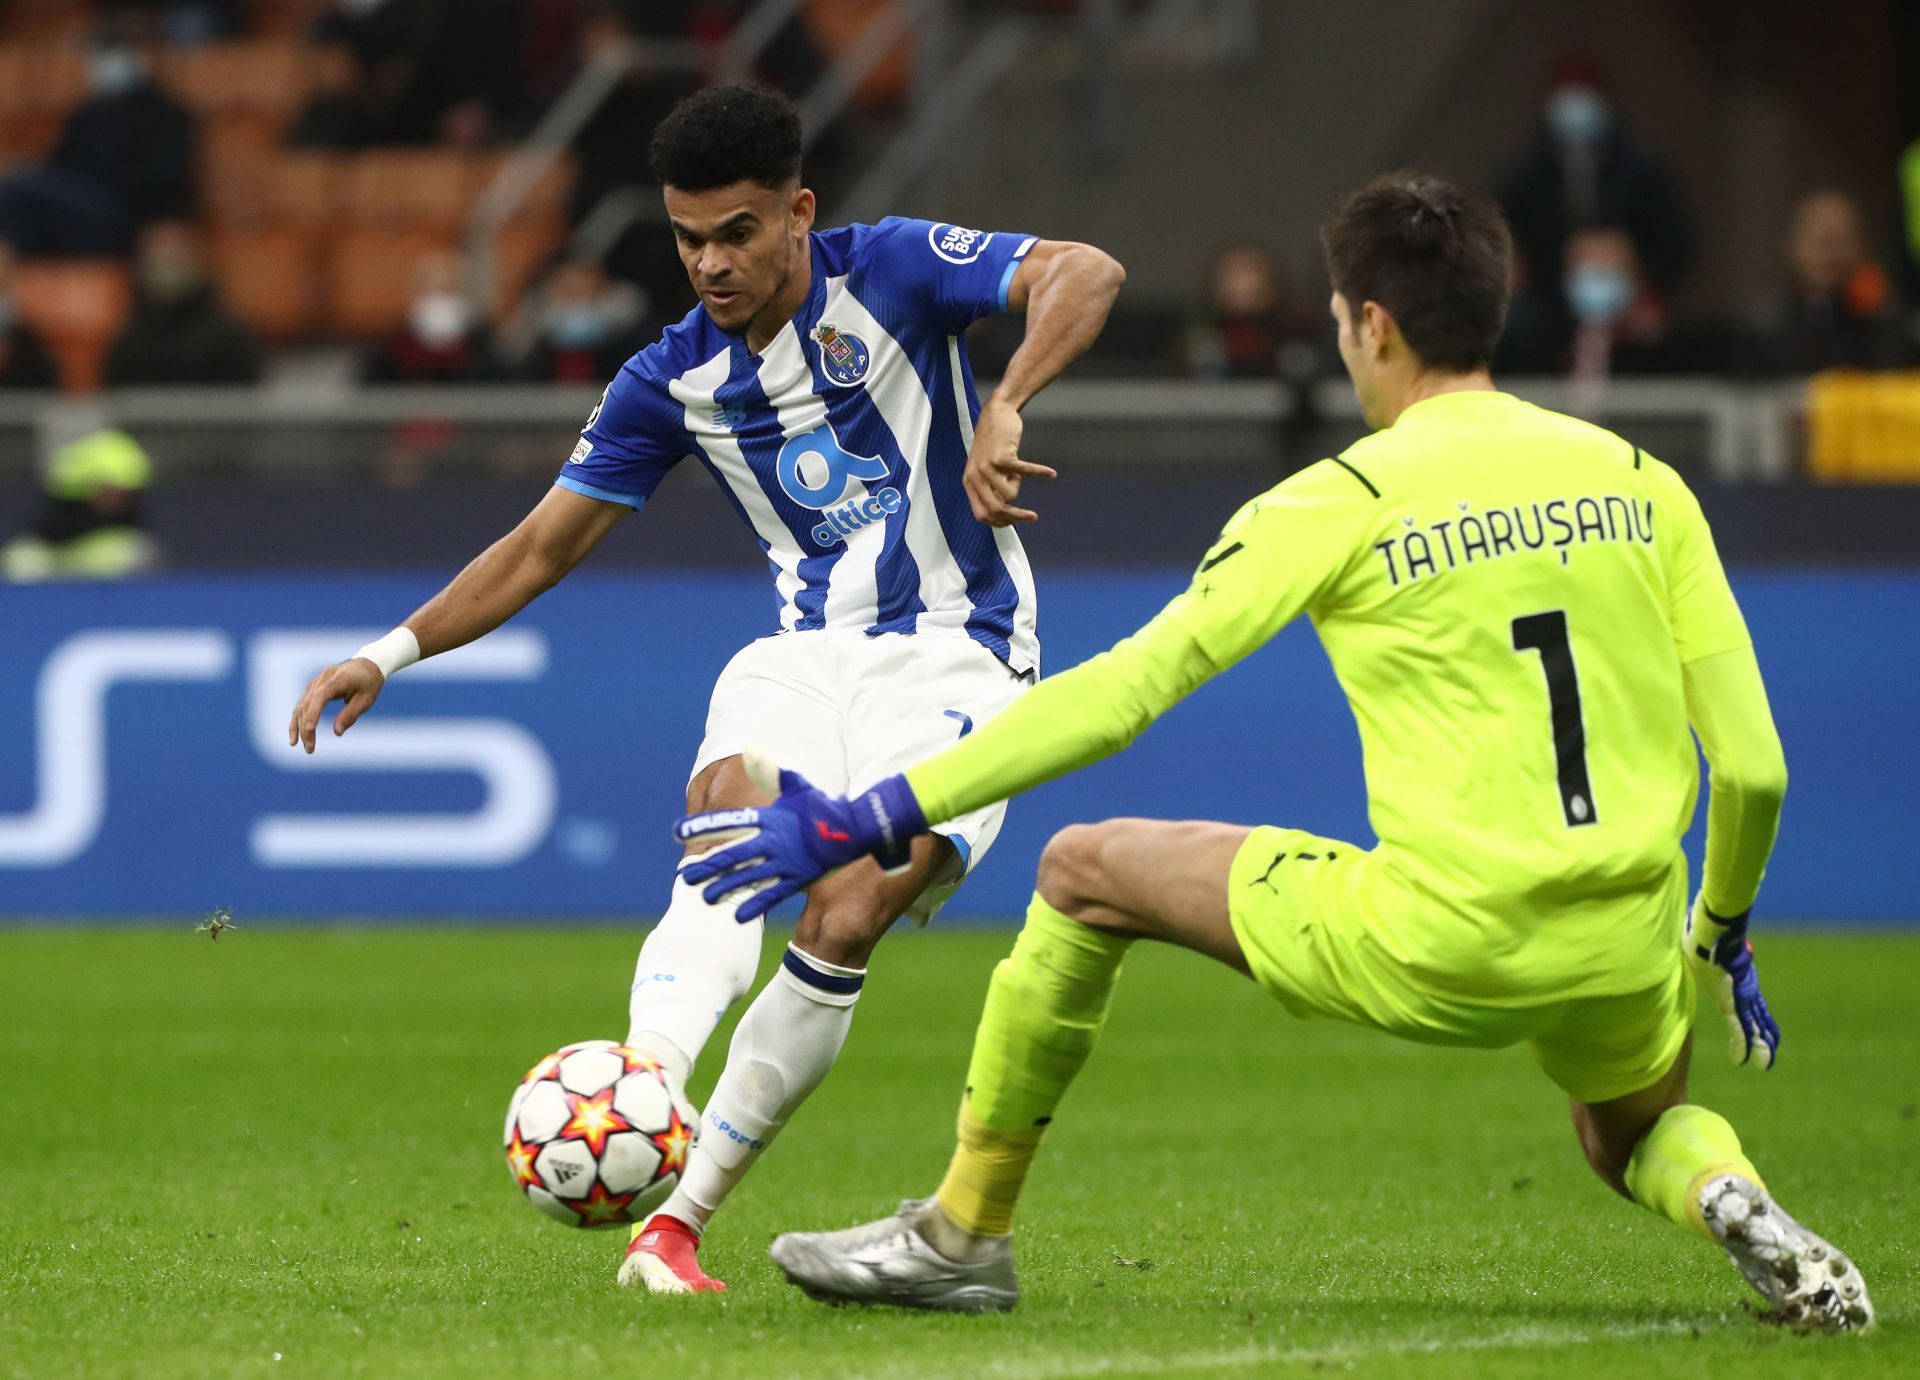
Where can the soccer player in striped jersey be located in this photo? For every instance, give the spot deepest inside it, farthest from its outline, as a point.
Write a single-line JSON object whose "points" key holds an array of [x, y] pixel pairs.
{"points": [[823, 382], [1526, 613]]}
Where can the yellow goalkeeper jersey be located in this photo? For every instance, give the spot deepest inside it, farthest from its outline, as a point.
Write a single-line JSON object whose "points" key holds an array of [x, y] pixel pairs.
{"points": [[1507, 596]]}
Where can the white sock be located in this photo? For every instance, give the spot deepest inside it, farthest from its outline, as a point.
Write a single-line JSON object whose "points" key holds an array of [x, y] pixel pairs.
{"points": [[783, 1047], [698, 961]]}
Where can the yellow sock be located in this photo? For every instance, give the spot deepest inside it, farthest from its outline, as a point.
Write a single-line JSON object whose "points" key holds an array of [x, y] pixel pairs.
{"points": [[984, 1179], [1044, 1009], [1685, 1148]]}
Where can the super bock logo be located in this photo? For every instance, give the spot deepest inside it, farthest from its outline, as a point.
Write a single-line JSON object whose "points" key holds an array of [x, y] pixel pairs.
{"points": [[843, 356]]}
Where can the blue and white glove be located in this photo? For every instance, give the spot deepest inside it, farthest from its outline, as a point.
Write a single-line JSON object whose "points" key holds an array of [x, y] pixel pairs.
{"points": [[1722, 959], [798, 839]]}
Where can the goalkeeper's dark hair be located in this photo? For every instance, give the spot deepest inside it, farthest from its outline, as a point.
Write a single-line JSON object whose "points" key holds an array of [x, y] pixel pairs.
{"points": [[1437, 256], [728, 134]]}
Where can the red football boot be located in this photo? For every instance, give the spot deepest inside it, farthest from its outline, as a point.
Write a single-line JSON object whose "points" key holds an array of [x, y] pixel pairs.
{"points": [[664, 1258]]}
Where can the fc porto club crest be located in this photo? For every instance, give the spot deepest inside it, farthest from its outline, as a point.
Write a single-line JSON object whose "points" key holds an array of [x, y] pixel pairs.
{"points": [[843, 356]]}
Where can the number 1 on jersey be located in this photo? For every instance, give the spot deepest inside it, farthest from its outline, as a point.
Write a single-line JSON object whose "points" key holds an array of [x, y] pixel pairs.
{"points": [[1546, 633]]}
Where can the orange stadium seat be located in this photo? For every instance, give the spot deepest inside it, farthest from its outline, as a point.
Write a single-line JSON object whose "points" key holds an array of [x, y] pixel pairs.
{"points": [[237, 191], [426, 188], [371, 278], [837, 24], [15, 61], [239, 134], [261, 187], [271, 279], [46, 21], [283, 18], [519, 253], [56, 80], [549, 195], [304, 188], [268, 76], [78, 307], [26, 138]]}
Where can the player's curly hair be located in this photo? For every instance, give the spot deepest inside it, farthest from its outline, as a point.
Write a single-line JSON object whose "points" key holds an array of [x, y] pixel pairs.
{"points": [[728, 134], [1436, 255]]}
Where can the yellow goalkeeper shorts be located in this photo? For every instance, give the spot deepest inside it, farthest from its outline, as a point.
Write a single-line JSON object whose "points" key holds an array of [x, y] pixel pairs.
{"points": [[1299, 905]]}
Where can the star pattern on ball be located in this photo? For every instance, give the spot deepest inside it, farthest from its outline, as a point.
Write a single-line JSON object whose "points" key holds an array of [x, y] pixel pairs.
{"points": [[593, 1120], [673, 1144], [634, 1061], [520, 1157], [548, 1067], [601, 1208]]}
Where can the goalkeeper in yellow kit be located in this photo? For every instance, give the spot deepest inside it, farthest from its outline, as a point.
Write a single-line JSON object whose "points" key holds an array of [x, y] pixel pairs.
{"points": [[1526, 613]]}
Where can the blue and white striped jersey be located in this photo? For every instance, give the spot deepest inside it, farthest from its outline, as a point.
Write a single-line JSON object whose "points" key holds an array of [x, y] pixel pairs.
{"points": [[843, 443]]}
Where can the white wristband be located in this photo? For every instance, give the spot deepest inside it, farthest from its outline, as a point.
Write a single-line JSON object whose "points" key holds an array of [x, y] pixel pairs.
{"points": [[396, 651]]}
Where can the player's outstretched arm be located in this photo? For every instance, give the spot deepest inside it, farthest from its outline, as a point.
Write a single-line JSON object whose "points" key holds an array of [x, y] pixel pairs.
{"points": [[1747, 782], [501, 581], [1066, 290]]}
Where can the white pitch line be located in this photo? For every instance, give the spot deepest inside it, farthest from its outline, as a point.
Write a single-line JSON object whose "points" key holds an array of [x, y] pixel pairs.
{"points": [[1531, 1337]]}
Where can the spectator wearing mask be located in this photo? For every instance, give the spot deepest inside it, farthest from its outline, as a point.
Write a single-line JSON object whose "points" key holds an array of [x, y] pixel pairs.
{"points": [[1838, 310], [1620, 324], [1585, 169], [124, 158], [588, 325], [91, 524], [1248, 326], [24, 361], [180, 332], [340, 115], [443, 340]]}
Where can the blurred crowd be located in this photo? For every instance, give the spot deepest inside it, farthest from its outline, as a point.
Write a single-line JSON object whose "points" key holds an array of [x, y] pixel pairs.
{"points": [[208, 177], [232, 231], [1605, 251]]}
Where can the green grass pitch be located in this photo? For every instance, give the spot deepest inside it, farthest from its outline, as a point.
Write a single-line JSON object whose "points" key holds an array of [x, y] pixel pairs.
{"points": [[278, 1155]]}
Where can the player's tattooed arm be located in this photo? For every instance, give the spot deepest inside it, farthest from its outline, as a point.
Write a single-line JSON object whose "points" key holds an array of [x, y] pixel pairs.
{"points": [[499, 582], [1066, 291]]}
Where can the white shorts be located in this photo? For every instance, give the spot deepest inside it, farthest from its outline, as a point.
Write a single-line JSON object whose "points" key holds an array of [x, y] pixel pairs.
{"points": [[847, 709]]}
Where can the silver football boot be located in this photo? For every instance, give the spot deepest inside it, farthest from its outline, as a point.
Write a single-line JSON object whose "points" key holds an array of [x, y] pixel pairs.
{"points": [[890, 1262], [1812, 1286]]}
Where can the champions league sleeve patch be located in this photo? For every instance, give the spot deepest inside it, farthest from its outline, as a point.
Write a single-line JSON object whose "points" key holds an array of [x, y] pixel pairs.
{"points": [[844, 357]]}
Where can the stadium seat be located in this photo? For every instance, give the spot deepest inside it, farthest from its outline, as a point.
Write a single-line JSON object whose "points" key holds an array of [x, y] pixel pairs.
{"points": [[239, 134], [46, 21], [26, 138], [304, 188], [78, 307], [270, 277], [837, 24], [427, 189], [371, 278], [283, 18], [262, 187], [519, 253], [549, 196], [42, 81], [263, 76]]}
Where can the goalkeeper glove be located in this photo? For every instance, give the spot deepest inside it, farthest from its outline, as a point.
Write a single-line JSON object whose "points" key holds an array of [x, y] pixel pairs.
{"points": [[799, 838], [1722, 959]]}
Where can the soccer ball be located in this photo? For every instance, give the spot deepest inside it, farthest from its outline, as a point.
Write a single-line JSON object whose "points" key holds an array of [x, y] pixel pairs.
{"points": [[593, 1138]]}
